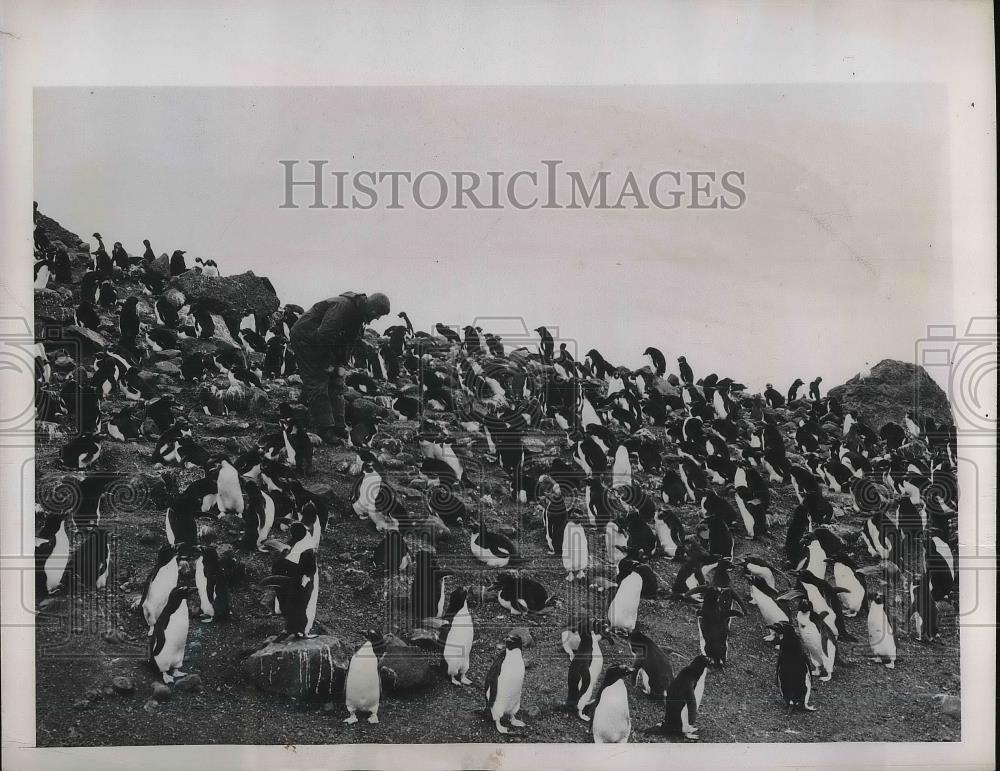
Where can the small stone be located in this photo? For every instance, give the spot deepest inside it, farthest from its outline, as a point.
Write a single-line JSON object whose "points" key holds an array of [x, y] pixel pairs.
{"points": [[345, 557], [149, 537], [949, 705], [151, 705], [161, 692], [189, 684], [167, 368], [81, 704], [533, 711], [508, 530], [524, 633], [123, 684]]}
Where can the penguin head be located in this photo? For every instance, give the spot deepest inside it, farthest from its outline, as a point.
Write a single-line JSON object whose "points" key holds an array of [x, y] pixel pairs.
{"points": [[513, 642], [616, 673], [374, 636]]}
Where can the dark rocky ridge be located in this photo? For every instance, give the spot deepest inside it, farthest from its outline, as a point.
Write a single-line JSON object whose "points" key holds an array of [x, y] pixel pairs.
{"points": [[893, 388]]}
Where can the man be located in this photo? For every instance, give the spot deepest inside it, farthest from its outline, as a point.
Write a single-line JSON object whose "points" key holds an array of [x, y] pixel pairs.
{"points": [[322, 340]]}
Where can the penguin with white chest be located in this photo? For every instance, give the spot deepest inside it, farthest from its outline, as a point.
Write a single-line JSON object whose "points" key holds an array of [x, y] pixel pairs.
{"points": [[584, 670], [503, 685], [229, 496], [766, 599], [817, 640], [850, 584], [161, 582], [51, 554], [624, 608], [458, 636], [880, 634], [362, 688], [169, 638], [612, 723], [575, 552]]}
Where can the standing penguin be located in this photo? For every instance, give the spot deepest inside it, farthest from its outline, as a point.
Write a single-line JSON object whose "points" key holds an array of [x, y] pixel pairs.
{"points": [[880, 636], [169, 638], [51, 554], [766, 599], [90, 563], [669, 533], [362, 688], [584, 669], [687, 375], [575, 552], [792, 673], [458, 636], [161, 582], [653, 673], [503, 684], [612, 722], [212, 580], [296, 582], [624, 608], [427, 597], [684, 700], [554, 514], [923, 610], [230, 494], [850, 584]]}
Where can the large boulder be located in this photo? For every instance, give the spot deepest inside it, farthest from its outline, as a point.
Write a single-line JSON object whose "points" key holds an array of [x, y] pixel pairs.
{"points": [[302, 669], [232, 297], [893, 388], [90, 340]]}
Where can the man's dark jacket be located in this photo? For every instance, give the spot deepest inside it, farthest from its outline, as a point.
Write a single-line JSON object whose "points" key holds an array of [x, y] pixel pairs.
{"points": [[332, 325]]}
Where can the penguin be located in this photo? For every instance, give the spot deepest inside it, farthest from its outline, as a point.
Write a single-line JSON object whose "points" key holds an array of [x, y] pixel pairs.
{"points": [[653, 673], [161, 339], [86, 316], [673, 490], [391, 556], [295, 579], [124, 426], [823, 597], [362, 687], [89, 285], [90, 563], [81, 452], [573, 633], [258, 516], [765, 598], [772, 397], [554, 514], [816, 639], [923, 610], [493, 549], [87, 512], [878, 533], [669, 533], [107, 297], [427, 595], [753, 513], [366, 490], [169, 637], [793, 390], [230, 495], [815, 558], [503, 684], [940, 565], [442, 502], [687, 375], [716, 533], [584, 670], [621, 470], [656, 360], [575, 552], [684, 700], [713, 623], [162, 580], [546, 344], [880, 634], [458, 636], [612, 723], [624, 607], [520, 594], [212, 580], [52, 550], [204, 324], [177, 264], [792, 674], [850, 583], [298, 446]]}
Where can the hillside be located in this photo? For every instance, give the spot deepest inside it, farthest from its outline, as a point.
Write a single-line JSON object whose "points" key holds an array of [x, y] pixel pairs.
{"points": [[95, 687]]}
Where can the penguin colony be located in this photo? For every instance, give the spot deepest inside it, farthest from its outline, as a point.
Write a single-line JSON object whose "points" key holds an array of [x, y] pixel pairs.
{"points": [[657, 489]]}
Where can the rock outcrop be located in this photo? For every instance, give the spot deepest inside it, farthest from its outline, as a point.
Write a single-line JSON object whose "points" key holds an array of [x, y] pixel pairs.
{"points": [[232, 297], [893, 388]]}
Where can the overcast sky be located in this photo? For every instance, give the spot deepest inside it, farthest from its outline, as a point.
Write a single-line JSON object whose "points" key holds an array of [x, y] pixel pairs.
{"points": [[839, 256]]}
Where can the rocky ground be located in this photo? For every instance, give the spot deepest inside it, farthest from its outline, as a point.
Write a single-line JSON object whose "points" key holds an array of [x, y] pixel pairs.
{"points": [[94, 686]]}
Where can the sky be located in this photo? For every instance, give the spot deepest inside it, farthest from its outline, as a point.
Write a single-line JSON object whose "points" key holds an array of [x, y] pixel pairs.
{"points": [[839, 256]]}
